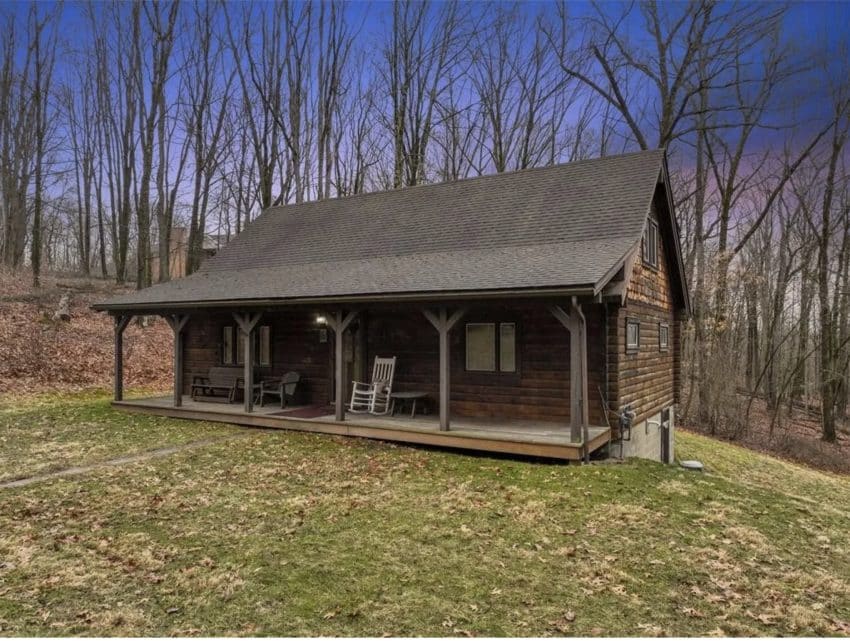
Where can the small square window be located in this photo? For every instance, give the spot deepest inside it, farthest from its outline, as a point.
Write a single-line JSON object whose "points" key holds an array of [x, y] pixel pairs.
{"points": [[663, 337], [632, 335]]}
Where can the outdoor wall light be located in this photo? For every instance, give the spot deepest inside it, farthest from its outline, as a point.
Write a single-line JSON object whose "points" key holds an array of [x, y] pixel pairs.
{"points": [[321, 320]]}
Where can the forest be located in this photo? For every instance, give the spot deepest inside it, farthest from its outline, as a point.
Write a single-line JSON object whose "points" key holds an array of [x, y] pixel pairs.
{"points": [[121, 121]]}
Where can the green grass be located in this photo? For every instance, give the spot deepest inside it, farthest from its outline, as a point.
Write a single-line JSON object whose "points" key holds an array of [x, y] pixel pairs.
{"points": [[300, 534], [49, 432]]}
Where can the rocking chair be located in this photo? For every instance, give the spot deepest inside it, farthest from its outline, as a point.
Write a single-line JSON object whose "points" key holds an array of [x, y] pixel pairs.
{"points": [[374, 397]]}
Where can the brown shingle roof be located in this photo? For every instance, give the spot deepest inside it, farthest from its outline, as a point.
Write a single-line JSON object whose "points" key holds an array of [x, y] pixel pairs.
{"points": [[551, 227]]}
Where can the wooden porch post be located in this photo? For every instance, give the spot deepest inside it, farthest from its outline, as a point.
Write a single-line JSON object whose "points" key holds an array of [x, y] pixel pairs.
{"points": [[178, 323], [120, 324], [339, 323], [575, 324], [247, 322], [443, 323]]}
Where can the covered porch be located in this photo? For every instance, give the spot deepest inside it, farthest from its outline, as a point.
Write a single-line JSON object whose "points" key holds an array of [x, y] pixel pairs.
{"points": [[509, 436], [538, 393]]}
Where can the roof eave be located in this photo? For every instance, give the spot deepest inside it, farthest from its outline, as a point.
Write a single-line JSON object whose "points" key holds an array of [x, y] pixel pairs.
{"points": [[588, 290], [680, 263]]}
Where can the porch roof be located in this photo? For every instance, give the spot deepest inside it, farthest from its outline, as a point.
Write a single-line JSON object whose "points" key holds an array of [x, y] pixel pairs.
{"points": [[562, 227]]}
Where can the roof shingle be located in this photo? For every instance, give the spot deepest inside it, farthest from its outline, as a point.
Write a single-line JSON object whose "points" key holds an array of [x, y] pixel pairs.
{"points": [[560, 226]]}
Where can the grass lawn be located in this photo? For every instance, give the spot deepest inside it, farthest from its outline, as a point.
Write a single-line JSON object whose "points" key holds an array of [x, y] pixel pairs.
{"points": [[53, 431], [297, 534]]}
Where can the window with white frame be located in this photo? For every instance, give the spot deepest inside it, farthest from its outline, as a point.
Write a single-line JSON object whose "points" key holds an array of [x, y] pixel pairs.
{"points": [[663, 337], [632, 335], [491, 347]]}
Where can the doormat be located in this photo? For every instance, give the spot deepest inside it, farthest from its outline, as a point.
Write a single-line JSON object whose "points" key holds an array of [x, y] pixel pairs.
{"points": [[311, 411]]}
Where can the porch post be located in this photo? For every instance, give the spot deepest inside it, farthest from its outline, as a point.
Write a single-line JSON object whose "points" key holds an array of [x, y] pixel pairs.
{"points": [[444, 323], [339, 323], [574, 322], [120, 324], [177, 323], [247, 322]]}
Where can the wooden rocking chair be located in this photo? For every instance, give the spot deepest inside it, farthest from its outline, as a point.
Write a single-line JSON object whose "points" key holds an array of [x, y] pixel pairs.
{"points": [[374, 397]]}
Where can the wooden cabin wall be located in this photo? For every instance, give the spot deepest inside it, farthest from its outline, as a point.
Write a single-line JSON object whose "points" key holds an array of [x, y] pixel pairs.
{"points": [[539, 390], [295, 347], [649, 379]]}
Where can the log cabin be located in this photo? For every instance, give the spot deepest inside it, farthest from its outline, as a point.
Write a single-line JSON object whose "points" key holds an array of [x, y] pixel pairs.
{"points": [[537, 312]]}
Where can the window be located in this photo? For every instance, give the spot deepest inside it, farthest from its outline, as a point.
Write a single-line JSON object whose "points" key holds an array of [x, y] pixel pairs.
{"points": [[227, 357], [663, 337], [481, 347], [233, 346], [632, 335], [264, 349], [507, 347], [650, 244], [484, 352]]}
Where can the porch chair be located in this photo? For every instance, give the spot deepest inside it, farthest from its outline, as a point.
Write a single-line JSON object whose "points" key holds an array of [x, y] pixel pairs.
{"points": [[374, 397], [283, 388]]}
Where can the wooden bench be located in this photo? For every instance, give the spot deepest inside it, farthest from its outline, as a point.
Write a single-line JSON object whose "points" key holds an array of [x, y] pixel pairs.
{"points": [[219, 382]]}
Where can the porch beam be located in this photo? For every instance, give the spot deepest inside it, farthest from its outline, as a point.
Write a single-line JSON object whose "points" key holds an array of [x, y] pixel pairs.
{"points": [[177, 322], [247, 322], [443, 322], [120, 322], [574, 322], [339, 322], [581, 322]]}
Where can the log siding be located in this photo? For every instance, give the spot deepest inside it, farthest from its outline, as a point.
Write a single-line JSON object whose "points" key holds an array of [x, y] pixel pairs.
{"points": [[295, 346]]}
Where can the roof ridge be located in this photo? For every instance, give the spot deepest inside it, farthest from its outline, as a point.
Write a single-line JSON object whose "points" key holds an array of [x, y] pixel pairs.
{"points": [[467, 179]]}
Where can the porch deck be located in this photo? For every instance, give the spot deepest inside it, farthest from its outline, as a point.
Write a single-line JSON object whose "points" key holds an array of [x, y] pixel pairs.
{"points": [[530, 438]]}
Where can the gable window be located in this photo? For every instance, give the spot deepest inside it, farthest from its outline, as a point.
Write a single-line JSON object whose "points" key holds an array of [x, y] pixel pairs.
{"points": [[650, 244], [233, 346], [663, 337], [632, 335], [491, 347]]}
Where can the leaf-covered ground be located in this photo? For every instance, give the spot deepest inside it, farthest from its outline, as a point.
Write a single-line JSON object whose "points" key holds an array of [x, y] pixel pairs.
{"points": [[38, 354], [300, 534]]}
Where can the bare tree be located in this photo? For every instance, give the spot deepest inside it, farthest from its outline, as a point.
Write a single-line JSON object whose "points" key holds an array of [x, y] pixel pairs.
{"points": [[44, 53], [424, 44], [824, 220], [161, 20], [17, 148], [209, 101]]}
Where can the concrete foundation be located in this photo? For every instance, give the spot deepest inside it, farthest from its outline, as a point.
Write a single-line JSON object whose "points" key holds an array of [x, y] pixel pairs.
{"points": [[647, 439]]}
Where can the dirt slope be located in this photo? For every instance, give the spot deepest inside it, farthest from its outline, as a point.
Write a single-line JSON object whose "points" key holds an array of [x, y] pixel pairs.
{"points": [[39, 354]]}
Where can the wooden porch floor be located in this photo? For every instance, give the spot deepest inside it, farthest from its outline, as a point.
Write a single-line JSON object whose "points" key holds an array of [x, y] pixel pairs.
{"points": [[530, 438]]}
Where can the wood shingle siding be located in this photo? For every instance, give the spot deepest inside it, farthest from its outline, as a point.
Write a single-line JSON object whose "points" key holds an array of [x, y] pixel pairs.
{"points": [[646, 379]]}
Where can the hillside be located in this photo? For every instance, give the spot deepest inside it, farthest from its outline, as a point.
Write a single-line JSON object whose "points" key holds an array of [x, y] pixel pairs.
{"points": [[38, 354], [210, 530]]}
